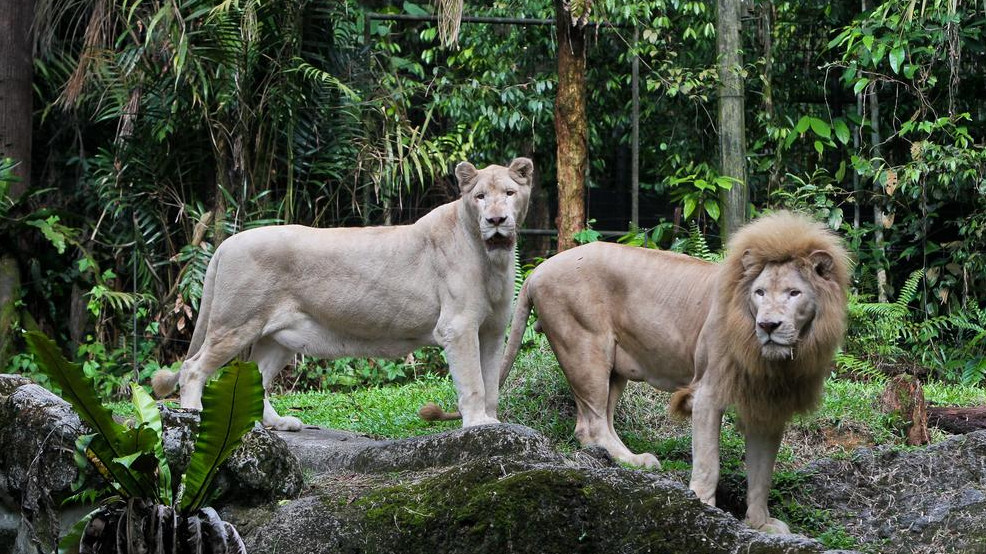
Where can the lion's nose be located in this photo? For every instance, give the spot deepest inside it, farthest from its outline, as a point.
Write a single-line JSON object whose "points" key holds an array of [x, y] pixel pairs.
{"points": [[496, 220], [769, 326]]}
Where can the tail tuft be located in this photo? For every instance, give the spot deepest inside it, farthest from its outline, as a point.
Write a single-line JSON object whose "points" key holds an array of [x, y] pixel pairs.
{"points": [[433, 412], [681, 402], [164, 382]]}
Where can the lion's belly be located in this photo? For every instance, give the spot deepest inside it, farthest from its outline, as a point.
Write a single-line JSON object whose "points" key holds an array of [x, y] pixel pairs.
{"points": [[309, 337], [664, 372]]}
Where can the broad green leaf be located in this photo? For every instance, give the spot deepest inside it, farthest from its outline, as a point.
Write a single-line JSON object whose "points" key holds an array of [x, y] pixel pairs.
{"points": [[896, 58], [860, 85], [690, 204], [841, 131], [149, 420], [821, 128], [712, 208], [231, 405], [819, 147], [802, 125]]}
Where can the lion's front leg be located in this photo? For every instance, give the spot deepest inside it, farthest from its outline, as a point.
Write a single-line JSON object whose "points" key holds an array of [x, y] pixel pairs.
{"points": [[462, 349], [491, 354], [762, 443], [706, 427]]}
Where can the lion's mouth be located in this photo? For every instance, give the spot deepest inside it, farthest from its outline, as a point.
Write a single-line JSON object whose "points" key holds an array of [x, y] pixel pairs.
{"points": [[776, 351], [499, 241]]}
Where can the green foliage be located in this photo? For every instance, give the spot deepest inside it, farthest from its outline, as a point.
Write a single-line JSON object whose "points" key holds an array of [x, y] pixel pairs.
{"points": [[127, 457], [587, 235], [132, 459], [231, 405], [696, 245]]}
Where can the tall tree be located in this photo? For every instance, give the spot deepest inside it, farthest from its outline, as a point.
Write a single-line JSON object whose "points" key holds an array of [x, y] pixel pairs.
{"points": [[571, 128], [732, 127], [16, 19]]}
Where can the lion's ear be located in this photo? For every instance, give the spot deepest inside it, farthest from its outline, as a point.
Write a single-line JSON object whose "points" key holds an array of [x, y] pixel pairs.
{"points": [[522, 170], [466, 173], [747, 259], [822, 263]]}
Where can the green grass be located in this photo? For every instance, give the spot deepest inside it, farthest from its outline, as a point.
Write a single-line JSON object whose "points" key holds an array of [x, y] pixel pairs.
{"points": [[384, 411]]}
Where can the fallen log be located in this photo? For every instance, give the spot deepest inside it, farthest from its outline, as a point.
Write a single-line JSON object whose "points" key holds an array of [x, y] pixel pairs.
{"points": [[957, 421]]}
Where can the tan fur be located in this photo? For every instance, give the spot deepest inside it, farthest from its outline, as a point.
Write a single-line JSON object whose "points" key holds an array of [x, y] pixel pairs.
{"points": [[376, 291], [614, 313]]}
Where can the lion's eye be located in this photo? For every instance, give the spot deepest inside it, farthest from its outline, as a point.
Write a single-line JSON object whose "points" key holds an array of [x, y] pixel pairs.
{"points": [[480, 196], [511, 192], [795, 292], [759, 292]]}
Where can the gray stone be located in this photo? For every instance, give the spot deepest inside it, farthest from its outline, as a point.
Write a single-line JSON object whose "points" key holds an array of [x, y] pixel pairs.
{"points": [[37, 439], [261, 470], [329, 450], [920, 500]]}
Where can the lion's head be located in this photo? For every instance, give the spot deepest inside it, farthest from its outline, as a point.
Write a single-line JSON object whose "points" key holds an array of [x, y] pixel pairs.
{"points": [[496, 198], [783, 290]]}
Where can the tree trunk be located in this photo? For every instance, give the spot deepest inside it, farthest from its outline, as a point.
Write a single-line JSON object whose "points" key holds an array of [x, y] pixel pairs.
{"points": [[10, 284], [903, 398], [958, 421], [732, 127], [571, 128], [16, 70]]}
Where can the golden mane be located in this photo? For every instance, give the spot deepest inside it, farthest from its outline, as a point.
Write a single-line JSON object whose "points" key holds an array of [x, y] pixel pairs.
{"points": [[765, 390]]}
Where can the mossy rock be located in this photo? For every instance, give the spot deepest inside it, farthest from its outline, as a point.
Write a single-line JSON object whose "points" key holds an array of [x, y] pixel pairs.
{"points": [[501, 503]]}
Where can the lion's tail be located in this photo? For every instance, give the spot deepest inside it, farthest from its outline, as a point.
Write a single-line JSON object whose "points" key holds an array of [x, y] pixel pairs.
{"points": [[164, 381], [434, 412], [681, 402], [518, 325]]}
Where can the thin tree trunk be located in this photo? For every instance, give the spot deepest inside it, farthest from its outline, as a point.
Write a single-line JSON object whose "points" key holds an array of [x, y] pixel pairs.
{"points": [[10, 284], [732, 126], [16, 71], [571, 128], [767, 44], [879, 216]]}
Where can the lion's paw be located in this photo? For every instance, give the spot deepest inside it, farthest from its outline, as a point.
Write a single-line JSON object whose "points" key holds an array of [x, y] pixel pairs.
{"points": [[773, 526], [285, 423], [645, 460], [482, 420]]}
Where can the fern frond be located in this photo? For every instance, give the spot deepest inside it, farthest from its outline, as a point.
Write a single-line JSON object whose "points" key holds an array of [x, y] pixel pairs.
{"points": [[847, 364]]}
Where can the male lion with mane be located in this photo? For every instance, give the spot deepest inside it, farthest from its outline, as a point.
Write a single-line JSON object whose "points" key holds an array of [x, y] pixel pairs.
{"points": [[757, 332], [376, 291]]}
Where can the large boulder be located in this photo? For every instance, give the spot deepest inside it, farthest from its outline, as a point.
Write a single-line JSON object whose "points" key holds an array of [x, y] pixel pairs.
{"points": [[918, 500], [493, 489], [263, 469], [37, 439]]}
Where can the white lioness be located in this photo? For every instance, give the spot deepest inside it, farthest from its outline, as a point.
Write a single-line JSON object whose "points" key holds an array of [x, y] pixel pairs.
{"points": [[380, 291], [757, 332]]}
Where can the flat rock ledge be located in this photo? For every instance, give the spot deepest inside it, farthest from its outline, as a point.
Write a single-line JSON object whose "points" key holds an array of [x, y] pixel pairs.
{"points": [[498, 488]]}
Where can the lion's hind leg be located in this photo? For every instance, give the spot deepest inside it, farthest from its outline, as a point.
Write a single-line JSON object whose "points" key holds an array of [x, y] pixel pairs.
{"points": [[271, 357], [617, 384], [588, 366]]}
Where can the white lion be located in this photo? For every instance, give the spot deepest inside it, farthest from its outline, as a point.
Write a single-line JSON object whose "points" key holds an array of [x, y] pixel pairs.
{"points": [[379, 291], [757, 332]]}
